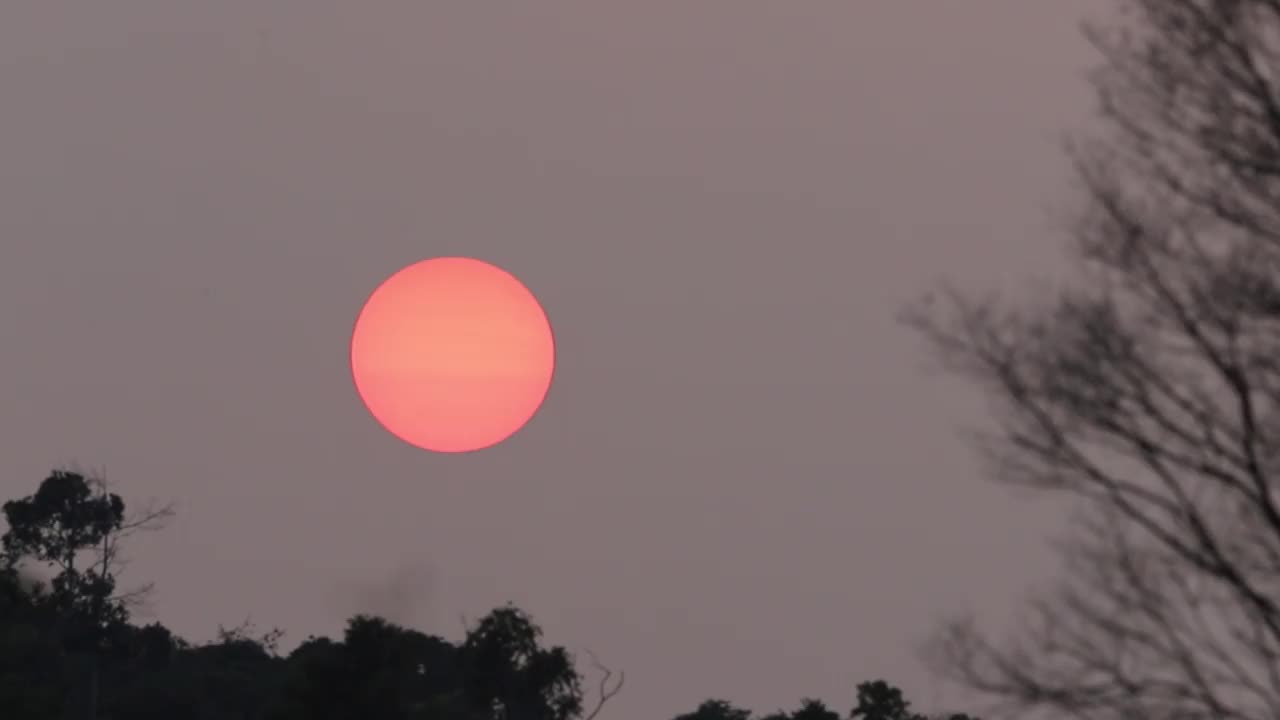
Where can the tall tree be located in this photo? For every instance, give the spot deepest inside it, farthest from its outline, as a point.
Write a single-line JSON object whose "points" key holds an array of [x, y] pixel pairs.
{"points": [[506, 667], [1148, 389], [75, 525]]}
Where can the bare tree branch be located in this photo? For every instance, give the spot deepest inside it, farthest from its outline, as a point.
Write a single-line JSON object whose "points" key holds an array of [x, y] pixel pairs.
{"points": [[1148, 391], [606, 692], [108, 561]]}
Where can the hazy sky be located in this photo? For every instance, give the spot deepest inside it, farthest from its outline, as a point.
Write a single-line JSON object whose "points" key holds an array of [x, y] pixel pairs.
{"points": [[742, 484]]}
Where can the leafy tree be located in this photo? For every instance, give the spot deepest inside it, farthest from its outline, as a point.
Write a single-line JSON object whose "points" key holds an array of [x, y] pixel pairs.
{"points": [[68, 517], [715, 709], [56, 525], [1147, 390], [810, 709], [381, 670], [505, 667], [377, 670], [877, 700], [881, 701]]}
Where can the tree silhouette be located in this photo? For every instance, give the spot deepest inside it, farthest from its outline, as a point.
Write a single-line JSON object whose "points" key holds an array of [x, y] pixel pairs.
{"points": [[500, 670], [716, 709], [1146, 390], [506, 668], [876, 700], [67, 517], [56, 525], [880, 701], [378, 669]]}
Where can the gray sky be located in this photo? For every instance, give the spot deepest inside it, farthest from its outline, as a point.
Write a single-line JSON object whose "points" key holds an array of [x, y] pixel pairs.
{"points": [[742, 484]]}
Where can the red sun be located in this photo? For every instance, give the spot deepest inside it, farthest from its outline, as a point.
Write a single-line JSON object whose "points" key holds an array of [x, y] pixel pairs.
{"points": [[452, 354]]}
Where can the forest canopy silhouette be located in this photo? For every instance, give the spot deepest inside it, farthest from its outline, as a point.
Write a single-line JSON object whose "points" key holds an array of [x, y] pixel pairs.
{"points": [[69, 647]]}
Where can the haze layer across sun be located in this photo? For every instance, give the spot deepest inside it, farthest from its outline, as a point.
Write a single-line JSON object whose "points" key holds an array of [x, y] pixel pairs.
{"points": [[452, 354]]}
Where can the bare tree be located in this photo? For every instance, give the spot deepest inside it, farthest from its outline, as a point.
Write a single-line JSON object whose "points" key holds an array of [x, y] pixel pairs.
{"points": [[1148, 390]]}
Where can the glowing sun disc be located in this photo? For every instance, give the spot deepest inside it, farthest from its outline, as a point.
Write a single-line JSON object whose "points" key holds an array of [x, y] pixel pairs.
{"points": [[452, 354]]}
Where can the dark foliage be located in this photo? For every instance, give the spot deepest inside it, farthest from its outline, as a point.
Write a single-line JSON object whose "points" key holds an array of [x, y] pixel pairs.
{"points": [[876, 700], [69, 650]]}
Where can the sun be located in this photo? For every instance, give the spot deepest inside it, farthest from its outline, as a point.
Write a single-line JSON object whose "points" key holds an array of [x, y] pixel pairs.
{"points": [[452, 354]]}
